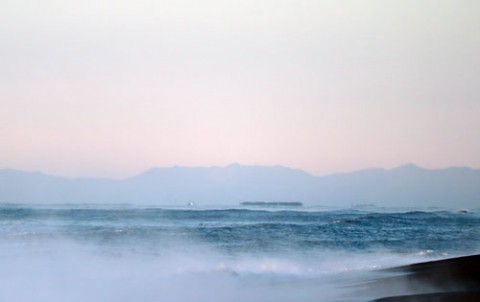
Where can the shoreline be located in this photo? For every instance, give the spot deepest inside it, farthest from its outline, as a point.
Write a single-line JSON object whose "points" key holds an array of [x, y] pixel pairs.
{"points": [[447, 280]]}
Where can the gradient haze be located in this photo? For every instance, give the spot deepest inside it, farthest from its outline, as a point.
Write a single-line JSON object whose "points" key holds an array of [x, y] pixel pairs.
{"points": [[111, 88]]}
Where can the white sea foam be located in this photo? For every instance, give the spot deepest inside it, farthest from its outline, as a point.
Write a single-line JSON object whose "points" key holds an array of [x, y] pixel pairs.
{"points": [[61, 270]]}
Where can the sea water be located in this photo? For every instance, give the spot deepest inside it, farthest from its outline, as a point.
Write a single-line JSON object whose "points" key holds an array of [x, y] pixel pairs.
{"points": [[135, 253]]}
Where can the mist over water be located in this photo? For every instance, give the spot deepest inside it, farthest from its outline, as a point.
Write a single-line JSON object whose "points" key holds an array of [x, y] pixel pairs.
{"points": [[125, 253]]}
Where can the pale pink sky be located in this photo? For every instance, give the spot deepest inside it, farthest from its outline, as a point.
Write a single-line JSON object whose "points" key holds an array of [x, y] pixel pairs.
{"points": [[113, 88]]}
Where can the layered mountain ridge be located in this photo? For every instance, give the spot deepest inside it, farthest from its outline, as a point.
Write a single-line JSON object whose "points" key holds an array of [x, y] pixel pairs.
{"points": [[407, 185]]}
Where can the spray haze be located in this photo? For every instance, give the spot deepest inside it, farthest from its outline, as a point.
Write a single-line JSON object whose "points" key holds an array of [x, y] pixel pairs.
{"points": [[61, 269], [129, 253]]}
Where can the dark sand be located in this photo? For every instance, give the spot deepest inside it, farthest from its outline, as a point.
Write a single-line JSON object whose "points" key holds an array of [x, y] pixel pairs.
{"points": [[456, 279], [435, 297]]}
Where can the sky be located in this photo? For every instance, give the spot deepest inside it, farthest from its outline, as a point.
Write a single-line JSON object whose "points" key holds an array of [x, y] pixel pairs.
{"points": [[111, 88]]}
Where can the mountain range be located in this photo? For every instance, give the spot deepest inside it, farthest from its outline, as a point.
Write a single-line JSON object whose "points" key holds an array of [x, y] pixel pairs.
{"points": [[405, 186]]}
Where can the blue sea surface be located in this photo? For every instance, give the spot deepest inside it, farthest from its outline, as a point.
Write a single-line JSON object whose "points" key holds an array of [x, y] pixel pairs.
{"points": [[133, 253]]}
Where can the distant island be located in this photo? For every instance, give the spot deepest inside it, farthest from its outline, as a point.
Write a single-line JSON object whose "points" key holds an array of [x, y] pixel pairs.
{"points": [[272, 203]]}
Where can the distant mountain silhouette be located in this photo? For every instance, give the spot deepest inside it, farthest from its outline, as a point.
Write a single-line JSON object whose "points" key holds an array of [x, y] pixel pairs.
{"points": [[407, 185]]}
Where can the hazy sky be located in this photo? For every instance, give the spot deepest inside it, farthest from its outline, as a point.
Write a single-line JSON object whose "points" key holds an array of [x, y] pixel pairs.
{"points": [[112, 87]]}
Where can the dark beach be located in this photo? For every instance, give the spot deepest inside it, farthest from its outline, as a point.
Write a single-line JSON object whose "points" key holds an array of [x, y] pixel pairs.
{"points": [[455, 279]]}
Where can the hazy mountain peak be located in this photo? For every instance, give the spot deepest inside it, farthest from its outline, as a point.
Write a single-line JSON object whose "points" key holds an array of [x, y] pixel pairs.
{"points": [[233, 165], [408, 166]]}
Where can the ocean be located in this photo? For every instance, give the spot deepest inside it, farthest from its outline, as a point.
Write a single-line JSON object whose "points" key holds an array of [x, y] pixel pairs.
{"points": [[143, 253]]}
